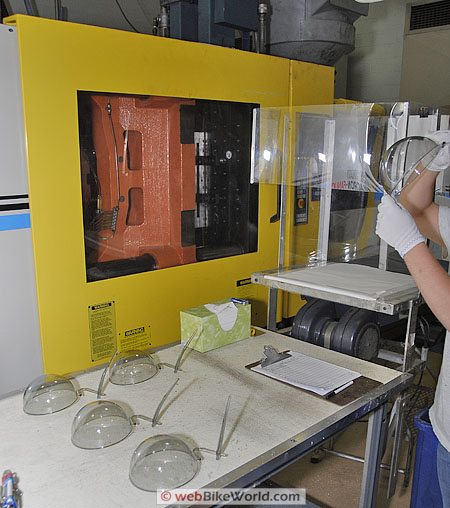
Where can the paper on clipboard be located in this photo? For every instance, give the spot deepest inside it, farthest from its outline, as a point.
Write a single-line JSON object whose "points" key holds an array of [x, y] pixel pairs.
{"points": [[309, 373]]}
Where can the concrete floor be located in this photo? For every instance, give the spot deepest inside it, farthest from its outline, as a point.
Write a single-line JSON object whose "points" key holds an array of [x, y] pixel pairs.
{"points": [[335, 482]]}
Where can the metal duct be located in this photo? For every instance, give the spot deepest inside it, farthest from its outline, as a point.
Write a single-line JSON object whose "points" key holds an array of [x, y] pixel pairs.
{"points": [[319, 31], [132, 15]]}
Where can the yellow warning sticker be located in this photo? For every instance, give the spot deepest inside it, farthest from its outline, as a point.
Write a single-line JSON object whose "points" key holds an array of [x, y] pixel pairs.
{"points": [[135, 338], [102, 325]]}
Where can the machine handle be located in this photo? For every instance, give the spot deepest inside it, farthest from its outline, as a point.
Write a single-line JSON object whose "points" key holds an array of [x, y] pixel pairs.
{"points": [[276, 217]]}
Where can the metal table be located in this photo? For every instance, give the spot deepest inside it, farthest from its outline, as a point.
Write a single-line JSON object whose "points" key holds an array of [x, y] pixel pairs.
{"points": [[270, 425]]}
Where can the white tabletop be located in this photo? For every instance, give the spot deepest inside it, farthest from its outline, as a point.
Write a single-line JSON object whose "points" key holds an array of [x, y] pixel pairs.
{"points": [[264, 413], [360, 281], [348, 283]]}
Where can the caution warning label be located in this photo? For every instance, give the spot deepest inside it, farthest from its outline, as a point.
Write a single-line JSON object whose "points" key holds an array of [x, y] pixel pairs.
{"points": [[102, 325], [135, 338]]}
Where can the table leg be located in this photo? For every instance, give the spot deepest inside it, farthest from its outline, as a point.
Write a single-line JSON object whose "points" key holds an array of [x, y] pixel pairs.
{"points": [[408, 353], [272, 310], [398, 438], [408, 357], [372, 457]]}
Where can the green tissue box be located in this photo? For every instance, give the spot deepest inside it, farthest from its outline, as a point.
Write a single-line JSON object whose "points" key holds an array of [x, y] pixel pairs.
{"points": [[215, 325]]}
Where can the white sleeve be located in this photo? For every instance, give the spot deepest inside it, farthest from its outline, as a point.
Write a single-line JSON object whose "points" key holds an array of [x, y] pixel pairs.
{"points": [[444, 225]]}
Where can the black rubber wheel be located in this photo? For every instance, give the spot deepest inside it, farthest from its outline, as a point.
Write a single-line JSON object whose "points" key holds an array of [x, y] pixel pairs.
{"points": [[357, 334], [311, 321]]}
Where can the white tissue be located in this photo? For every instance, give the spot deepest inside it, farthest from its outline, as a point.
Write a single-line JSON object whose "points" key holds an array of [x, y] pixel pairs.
{"points": [[226, 314]]}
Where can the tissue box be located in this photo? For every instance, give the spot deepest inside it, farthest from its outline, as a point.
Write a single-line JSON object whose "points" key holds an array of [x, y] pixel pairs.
{"points": [[216, 324]]}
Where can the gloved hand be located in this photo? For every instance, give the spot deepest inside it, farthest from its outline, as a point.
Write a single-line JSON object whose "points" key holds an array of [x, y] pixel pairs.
{"points": [[442, 160], [396, 226]]}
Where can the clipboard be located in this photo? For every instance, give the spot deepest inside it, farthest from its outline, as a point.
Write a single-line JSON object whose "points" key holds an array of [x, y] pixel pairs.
{"points": [[357, 389]]}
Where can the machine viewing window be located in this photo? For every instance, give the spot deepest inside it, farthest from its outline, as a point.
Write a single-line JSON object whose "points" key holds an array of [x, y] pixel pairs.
{"points": [[165, 182]]}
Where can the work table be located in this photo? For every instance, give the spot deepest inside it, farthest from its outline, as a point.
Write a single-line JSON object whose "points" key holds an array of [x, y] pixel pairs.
{"points": [[269, 425]]}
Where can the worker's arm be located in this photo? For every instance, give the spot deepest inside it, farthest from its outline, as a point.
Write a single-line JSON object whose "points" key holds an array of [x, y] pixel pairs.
{"points": [[417, 198], [397, 227], [432, 281], [418, 195]]}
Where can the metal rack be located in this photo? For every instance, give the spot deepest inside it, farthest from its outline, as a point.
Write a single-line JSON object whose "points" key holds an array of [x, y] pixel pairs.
{"points": [[399, 300]]}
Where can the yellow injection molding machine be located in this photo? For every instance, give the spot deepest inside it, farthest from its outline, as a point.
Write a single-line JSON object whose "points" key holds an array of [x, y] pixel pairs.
{"points": [[138, 151]]}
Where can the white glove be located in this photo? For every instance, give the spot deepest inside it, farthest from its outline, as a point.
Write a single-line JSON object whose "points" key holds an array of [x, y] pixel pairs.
{"points": [[442, 160], [396, 226]]}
